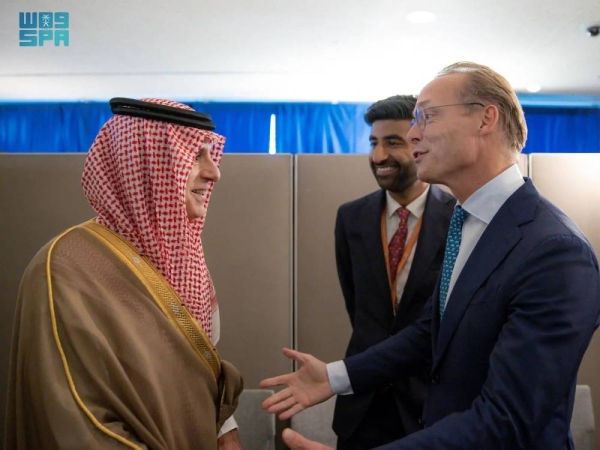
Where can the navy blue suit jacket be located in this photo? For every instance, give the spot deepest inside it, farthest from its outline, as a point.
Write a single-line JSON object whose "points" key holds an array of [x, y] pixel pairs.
{"points": [[515, 329], [363, 277]]}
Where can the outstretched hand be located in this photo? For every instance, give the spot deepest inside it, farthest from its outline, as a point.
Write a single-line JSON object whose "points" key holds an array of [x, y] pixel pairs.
{"points": [[306, 387]]}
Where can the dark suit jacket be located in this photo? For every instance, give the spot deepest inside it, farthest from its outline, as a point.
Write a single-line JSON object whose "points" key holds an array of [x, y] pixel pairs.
{"points": [[516, 326], [363, 278]]}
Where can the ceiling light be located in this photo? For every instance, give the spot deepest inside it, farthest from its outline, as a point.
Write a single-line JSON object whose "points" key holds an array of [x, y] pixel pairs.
{"points": [[420, 17], [534, 88]]}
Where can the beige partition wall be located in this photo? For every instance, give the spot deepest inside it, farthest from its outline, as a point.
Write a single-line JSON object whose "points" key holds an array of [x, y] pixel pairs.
{"points": [[248, 244], [572, 182], [40, 196], [323, 183]]}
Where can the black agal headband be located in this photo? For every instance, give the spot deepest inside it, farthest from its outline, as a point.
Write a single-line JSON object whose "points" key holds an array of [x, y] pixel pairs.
{"points": [[147, 110]]}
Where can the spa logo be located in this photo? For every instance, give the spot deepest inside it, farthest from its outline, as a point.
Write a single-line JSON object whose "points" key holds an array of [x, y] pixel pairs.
{"points": [[37, 29]]}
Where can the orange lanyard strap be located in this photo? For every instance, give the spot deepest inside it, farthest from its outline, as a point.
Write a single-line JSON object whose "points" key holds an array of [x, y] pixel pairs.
{"points": [[410, 243]]}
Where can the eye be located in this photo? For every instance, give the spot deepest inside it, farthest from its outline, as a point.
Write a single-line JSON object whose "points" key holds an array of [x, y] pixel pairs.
{"points": [[200, 154]]}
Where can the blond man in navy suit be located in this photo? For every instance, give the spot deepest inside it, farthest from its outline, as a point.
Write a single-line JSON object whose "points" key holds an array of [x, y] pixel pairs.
{"points": [[378, 306]]}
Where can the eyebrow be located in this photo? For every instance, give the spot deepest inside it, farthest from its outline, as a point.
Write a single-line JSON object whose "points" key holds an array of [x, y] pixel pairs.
{"points": [[387, 138]]}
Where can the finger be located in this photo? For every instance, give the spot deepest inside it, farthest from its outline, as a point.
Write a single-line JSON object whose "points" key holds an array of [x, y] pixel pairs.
{"points": [[274, 381], [286, 404], [276, 398], [295, 355], [292, 411]]}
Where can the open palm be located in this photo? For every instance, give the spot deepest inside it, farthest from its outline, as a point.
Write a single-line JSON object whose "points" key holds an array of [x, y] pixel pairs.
{"points": [[306, 387]]}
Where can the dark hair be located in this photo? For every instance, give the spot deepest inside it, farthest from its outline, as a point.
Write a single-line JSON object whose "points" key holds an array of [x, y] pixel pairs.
{"points": [[397, 107]]}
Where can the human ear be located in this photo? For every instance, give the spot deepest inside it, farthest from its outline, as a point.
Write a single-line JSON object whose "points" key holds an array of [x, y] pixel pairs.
{"points": [[489, 119]]}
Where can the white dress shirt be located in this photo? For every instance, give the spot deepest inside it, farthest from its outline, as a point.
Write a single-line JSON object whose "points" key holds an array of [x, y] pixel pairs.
{"points": [[482, 206]]}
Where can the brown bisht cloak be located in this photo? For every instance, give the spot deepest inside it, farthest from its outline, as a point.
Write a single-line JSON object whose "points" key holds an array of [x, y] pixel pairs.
{"points": [[105, 356]]}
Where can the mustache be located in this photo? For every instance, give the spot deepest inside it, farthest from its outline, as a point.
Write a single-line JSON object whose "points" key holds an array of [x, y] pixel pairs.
{"points": [[387, 163]]}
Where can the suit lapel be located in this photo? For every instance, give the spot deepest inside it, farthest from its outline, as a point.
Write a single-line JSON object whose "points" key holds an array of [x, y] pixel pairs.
{"points": [[370, 223], [499, 238]]}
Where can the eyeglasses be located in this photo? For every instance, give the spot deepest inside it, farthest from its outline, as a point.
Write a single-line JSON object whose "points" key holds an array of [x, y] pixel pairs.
{"points": [[421, 118]]}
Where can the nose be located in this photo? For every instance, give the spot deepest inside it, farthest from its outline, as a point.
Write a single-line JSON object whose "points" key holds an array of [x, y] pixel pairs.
{"points": [[379, 154], [414, 134], [209, 170]]}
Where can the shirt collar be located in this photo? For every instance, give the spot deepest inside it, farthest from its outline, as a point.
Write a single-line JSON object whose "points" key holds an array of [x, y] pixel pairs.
{"points": [[416, 207], [485, 202]]}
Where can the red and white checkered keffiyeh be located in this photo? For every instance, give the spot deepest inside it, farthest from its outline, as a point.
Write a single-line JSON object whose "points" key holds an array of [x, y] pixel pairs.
{"points": [[135, 177]]}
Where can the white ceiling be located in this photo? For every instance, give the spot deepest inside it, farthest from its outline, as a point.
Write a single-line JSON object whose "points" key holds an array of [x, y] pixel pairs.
{"points": [[295, 50]]}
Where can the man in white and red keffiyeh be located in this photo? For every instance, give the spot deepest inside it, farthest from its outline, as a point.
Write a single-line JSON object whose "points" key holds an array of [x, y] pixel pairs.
{"points": [[135, 178], [133, 367]]}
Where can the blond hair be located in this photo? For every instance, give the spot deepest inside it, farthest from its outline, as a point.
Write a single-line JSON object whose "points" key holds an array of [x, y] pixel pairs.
{"points": [[491, 87]]}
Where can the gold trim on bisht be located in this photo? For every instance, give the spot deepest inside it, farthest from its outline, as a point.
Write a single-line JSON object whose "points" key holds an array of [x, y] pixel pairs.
{"points": [[162, 293]]}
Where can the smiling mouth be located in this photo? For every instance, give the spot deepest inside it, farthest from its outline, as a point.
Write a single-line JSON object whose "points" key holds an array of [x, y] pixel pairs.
{"points": [[201, 192], [417, 154], [385, 170]]}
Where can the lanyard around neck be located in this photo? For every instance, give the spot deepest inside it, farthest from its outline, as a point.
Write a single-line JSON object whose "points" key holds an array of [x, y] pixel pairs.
{"points": [[410, 243]]}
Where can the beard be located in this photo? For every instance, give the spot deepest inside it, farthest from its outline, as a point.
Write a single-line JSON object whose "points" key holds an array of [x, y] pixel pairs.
{"points": [[399, 181]]}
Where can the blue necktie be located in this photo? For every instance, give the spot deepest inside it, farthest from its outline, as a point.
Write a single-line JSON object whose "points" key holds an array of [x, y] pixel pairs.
{"points": [[452, 246]]}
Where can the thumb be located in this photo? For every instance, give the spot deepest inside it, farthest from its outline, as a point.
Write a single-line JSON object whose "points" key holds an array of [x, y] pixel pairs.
{"points": [[293, 440]]}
